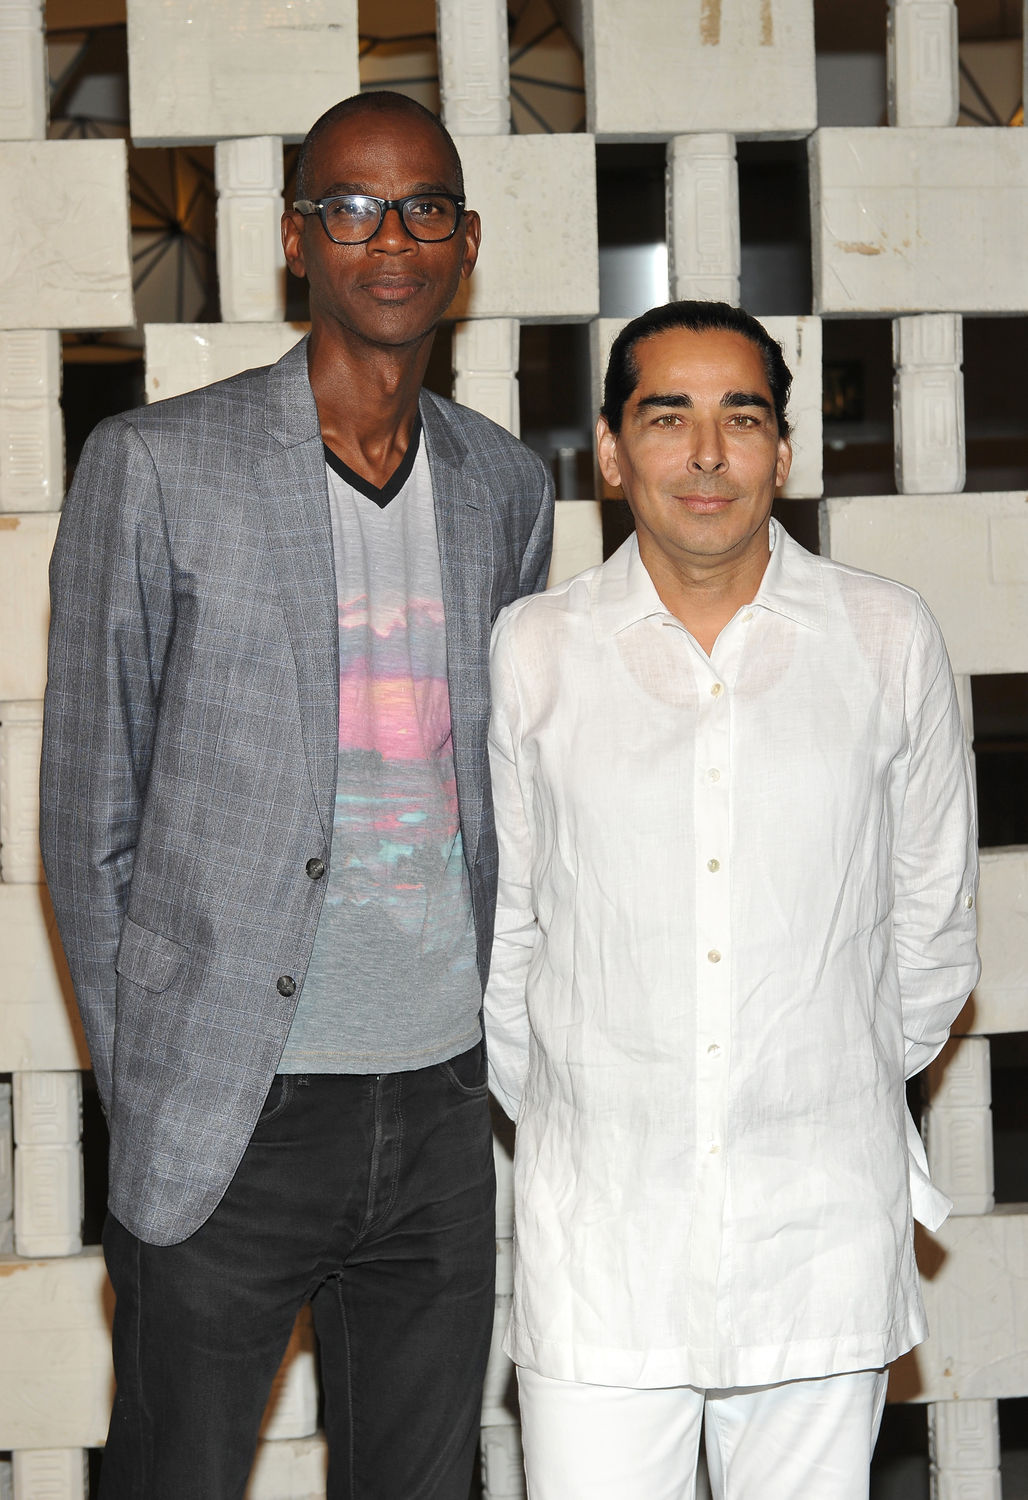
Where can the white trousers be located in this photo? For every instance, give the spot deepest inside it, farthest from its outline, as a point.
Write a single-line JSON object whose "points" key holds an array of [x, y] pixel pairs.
{"points": [[800, 1440]]}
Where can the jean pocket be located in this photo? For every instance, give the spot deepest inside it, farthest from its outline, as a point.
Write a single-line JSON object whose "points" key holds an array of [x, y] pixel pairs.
{"points": [[468, 1072], [280, 1096]]}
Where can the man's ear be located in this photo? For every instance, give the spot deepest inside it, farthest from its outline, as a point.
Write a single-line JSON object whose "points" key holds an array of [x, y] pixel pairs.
{"points": [[292, 241], [606, 452], [784, 463], [472, 241]]}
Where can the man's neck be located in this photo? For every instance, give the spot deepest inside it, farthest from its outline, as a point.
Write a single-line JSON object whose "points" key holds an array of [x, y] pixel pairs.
{"points": [[367, 400], [704, 594]]}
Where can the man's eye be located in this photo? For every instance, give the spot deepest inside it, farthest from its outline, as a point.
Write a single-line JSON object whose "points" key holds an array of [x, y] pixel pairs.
{"points": [[351, 210], [425, 208], [668, 419]]}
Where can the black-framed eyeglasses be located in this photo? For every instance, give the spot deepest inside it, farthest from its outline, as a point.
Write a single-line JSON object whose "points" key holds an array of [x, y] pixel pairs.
{"points": [[355, 218]]}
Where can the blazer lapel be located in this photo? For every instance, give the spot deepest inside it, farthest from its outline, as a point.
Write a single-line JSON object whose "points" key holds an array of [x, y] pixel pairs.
{"points": [[464, 534], [294, 494]]}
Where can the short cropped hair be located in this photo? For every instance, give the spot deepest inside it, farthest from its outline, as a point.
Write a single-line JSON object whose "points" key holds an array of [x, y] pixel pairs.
{"points": [[698, 317], [377, 102]]}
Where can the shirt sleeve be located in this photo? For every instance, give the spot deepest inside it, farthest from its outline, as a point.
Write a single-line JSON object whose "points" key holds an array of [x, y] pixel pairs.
{"points": [[935, 871], [516, 930]]}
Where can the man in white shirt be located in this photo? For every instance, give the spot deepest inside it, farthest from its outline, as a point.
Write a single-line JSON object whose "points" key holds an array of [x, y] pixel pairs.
{"points": [[736, 912]]}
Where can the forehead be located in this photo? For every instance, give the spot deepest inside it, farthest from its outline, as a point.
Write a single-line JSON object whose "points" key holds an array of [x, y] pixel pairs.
{"points": [[711, 362], [368, 149]]}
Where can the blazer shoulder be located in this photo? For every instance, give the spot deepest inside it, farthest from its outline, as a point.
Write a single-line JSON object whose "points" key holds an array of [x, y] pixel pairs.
{"points": [[482, 440], [246, 389]]}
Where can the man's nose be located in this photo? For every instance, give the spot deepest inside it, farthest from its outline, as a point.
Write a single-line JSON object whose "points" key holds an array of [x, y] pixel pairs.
{"points": [[708, 454], [391, 237]]}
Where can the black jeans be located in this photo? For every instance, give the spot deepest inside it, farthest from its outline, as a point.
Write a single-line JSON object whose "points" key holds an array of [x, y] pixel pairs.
{"points": [[370, 1196]]}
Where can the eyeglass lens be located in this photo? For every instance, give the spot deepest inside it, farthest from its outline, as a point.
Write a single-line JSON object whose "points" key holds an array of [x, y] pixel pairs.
{"points": [[353, 218]]}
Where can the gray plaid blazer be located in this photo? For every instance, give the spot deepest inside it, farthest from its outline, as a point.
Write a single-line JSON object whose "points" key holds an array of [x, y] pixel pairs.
{"points": [[190, 745]]}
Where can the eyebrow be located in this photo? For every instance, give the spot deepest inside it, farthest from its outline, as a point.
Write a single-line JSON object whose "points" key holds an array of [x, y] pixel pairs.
{"points": [[341, 189], [681, 399]]}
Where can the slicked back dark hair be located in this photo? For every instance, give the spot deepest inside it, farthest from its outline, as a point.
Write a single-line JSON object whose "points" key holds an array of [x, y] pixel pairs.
{"points": [[698, 317], [358, 106]]}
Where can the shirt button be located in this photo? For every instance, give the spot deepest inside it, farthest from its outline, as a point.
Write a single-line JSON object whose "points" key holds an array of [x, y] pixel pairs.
{"points": [[713, 865], [713, 956], [714, 1148], [315, 868], [748, 616], [713, 1050], [970, 903], [713, 774], [717, 690], [286, 985]]}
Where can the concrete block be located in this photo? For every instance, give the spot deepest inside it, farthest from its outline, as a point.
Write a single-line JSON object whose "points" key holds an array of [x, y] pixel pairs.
{"points": [[31, 430], [884, 233], [704, 252], [960, 1078], [251, 269], [577, 538], [923, 74], [474, 66], [50, 1474], [6, 1479], [6, 1244], [24, 85], [26, 542], [711, 65], [503, 1471], [959, 1147], [48, 1200], [201, 70], [6, 1154], [39, 1023], [537, 198], [56, 1380], [800, 338], [289, 1470], [21, 736], [292, 1410], [928, 404], [1000, 1000], [184, 356], [47, 1108], [486, 354], [966, 554], [499, 1392], [975, 1288], [64, 257], [963, 1435]]}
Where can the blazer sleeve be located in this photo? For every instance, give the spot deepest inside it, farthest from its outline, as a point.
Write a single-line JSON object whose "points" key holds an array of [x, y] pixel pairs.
{"points": [[516, 927], [535, 563], [112, 615]]}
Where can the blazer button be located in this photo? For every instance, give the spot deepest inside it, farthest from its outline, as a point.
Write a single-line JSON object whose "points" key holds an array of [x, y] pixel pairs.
{"points": [[286, 985], [315, 868]]}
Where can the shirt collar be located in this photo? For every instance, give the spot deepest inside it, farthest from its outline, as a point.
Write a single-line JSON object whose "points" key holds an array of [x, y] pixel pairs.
{"points": [[792, 585]]}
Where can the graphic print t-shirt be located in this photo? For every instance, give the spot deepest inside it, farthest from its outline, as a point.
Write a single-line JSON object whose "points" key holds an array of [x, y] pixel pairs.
{"points": [[392, 983]]}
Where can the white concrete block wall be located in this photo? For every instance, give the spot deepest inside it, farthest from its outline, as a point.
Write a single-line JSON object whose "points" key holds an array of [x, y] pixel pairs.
{"points": [[928, 403], [50, 1474], [923, 79], [251, 268], [963, 1439], [21, 733], [31, 430], [486, 355], [704, 251], [474, 75], [23, 81], [183, 356]]}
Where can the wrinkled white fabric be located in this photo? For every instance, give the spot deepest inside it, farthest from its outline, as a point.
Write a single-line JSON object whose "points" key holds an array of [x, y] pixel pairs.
{"points": [[736, 910]]}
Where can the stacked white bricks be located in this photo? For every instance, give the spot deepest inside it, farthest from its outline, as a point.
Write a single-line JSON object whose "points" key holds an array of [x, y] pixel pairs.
{"points": [[31, 432], [704, 250], [251, 270], [929, 404], [47, 1164]]}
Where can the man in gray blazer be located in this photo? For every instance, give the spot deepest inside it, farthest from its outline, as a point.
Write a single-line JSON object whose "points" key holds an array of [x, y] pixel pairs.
{"points": [[268, 833]]}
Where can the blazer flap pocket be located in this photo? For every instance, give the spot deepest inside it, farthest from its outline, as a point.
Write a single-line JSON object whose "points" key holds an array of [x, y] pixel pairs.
{"points": [[147, 958]]}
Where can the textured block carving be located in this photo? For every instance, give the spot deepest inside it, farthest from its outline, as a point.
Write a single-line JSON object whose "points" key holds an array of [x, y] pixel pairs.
{"points": [[50, 1474], [26, 542], [499, 1399], [928, 401], [24, 86], [39, 1024], [292, 1410], [56, 1380], [47, 1108], [65, 263], [485, 369], [713, 65], [503, 1473], [963, 1434], [537, 198], [289, 1470], [886, 237], [923, 78], [967, 554], [47, 1200], [6, 1154], [577, 539], [704, 254], [959, 1147], [1000, 1000], [21, 734], [31, 431], [959, 1078], [201, 70], [975, 1288], [251, 271], [183, 356], [474, 74]]}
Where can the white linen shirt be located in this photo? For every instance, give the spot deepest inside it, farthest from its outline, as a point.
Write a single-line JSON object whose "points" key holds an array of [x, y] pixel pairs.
{"points": [[736, 909]]}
